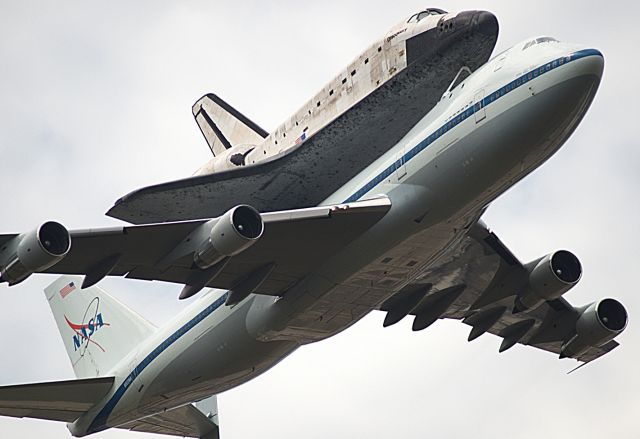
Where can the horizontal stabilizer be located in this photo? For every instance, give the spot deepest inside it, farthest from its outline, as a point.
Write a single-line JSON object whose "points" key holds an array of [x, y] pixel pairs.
{"points": [[223, 126], [185, 421], [56, 401]]}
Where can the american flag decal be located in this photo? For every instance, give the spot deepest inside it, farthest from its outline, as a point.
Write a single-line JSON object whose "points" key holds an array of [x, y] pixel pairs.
{"points": [[301, 139], [67, 289]]}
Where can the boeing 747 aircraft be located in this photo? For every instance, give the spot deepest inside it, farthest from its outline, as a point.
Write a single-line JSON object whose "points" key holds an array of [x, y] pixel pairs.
{"points": [[370, 197]]}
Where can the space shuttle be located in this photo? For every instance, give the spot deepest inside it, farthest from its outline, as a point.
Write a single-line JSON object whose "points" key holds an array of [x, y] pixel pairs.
{"points": [[391, 86], [368, 198]]}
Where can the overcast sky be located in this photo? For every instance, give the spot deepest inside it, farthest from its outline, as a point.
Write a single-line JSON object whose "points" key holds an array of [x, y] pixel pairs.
{"points": [[95, 101]]}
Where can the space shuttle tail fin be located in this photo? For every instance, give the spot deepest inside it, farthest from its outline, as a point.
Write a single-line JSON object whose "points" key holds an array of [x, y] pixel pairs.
{"points": [[97, 330], [223, 126]]}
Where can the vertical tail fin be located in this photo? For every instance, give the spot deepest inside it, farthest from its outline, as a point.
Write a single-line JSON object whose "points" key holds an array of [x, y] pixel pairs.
{"points": [[97, 330], [223, 126]]}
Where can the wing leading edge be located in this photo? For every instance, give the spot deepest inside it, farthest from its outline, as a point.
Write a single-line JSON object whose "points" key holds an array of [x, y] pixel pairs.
{"points": [[185, 421]]}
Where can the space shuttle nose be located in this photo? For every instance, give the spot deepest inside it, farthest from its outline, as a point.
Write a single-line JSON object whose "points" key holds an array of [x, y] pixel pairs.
{"points": [[487, 23], [481, 23]]}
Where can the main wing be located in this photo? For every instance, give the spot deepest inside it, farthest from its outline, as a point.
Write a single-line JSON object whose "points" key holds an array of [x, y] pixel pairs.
{"points": [[477, 282], [293, 243]]}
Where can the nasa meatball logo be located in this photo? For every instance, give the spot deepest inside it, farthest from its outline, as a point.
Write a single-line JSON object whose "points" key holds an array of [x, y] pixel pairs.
{"points": [[91, 323]]}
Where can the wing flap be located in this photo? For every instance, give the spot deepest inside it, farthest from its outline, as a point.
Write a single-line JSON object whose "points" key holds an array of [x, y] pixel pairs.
{"points": [[57, 400]]}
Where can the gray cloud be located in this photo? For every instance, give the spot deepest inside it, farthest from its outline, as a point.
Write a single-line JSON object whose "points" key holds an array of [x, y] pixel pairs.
{"points": [[95, 102]]}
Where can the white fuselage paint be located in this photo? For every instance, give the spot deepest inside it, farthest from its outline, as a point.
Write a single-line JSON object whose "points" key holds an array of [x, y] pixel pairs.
{"points": [[483, 136]]}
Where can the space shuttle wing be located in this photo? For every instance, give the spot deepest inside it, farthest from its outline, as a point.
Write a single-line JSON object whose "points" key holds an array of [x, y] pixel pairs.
{"points": [[477, 282], [307, 170], [272, 185], [301, 176], [293, 243]]}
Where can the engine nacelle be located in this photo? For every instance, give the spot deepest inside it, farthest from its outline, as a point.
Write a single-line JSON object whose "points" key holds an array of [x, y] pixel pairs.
{"points": [[550, 278], [34, 251], [598, 324], [235, 231]]}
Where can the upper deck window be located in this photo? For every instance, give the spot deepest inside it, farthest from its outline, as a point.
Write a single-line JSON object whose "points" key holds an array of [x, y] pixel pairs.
{"points": [[420, 15], [538, 41]]}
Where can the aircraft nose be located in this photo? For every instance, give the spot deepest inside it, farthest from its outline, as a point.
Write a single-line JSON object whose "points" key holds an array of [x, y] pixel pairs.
{"points": [[591, 62], [481, 22], [487, 23]]}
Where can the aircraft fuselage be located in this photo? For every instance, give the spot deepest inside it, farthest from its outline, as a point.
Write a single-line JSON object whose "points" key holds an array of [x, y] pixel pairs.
{"points": [[483, 136]]}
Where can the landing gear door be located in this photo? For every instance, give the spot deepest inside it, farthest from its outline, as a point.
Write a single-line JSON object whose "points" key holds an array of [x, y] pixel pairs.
{"points": [[478, 106]]}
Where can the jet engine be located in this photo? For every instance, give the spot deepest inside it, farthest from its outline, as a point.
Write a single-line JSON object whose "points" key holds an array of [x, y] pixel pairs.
{"points": [[598, 323], [549, 278], [33, 251], [235, 231]]}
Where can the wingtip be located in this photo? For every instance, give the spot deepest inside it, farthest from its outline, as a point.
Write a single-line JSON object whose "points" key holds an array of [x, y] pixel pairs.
{"points": [[578, 367]]}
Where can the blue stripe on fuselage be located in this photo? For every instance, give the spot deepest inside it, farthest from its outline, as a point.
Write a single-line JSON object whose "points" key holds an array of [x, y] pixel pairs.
{"points": [[448, 126], [99, 423]]}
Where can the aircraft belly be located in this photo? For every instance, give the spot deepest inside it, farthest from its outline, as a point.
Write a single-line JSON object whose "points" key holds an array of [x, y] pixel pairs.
{"points": [[350, 300], [221, 357], [447, 195], [216, 355]]}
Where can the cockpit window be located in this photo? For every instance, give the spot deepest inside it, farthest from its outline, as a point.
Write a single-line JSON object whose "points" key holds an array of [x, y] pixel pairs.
{"points": [[420, 15], [538, 41]]}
